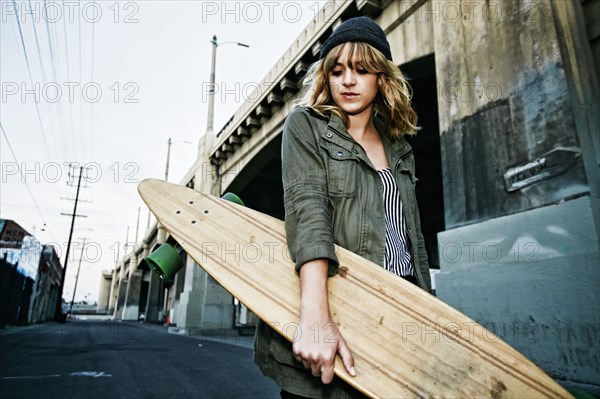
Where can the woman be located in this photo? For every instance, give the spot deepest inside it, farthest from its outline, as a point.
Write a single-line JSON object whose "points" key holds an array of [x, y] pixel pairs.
{"points": [[348, 177]]}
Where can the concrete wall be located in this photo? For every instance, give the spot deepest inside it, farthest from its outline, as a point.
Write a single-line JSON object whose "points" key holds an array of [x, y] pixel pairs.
{"points": [[517, 88], [504, 104], [531, 278], [411, 39]]}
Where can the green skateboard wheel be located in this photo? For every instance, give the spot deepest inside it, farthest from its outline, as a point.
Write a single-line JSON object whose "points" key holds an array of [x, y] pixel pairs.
{"points": [[231, 197], [165, 261]]}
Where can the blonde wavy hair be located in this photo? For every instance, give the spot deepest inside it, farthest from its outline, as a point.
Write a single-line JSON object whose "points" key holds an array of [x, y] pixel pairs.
{"points": [[392, 102]]}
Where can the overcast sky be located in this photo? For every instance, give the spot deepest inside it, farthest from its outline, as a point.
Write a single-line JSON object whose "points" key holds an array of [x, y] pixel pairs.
{"points": [[104, 86]]}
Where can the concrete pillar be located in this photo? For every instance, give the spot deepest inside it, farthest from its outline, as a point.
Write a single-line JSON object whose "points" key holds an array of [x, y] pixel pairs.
{"points": [[120, 299], [161, 234], [584, 87], [503, 103], [114, 287], [175, 293], [520, 254], [203, 303], [206, 180], [154, 303], [122, 289], [132, 297], [104, 292]]}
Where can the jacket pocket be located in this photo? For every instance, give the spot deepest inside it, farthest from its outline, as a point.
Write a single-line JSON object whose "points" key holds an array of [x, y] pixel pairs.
{"points": [[281, 350], [406, 168], [342, 171]]}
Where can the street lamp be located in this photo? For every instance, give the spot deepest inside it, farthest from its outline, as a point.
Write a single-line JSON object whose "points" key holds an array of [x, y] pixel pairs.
{"points": [[211, 92], [169, 142]]}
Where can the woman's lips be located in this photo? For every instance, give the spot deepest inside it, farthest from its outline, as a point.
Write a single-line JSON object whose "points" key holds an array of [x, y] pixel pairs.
{"points": [[349, 95]]}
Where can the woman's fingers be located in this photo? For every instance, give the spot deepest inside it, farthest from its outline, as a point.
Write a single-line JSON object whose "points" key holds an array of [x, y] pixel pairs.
{"points": [[315, 369], [327, 374], [321, 360], [347, 357]]}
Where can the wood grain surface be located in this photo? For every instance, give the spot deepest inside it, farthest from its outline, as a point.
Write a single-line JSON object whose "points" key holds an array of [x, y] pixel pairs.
{"points": [[406, 342]]}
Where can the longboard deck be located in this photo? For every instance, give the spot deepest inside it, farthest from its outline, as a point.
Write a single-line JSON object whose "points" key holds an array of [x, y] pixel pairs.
{"points": [[405, 342]]}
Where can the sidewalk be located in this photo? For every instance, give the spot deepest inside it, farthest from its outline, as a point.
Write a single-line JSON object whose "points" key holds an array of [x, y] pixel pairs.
{"points": [[222, 335], [227, 336]]}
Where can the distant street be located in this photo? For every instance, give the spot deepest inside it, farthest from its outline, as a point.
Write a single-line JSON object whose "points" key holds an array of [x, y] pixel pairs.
{"points": [[92, 359]]}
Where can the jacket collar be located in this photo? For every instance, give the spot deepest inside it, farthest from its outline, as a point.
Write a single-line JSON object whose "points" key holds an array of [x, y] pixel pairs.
{"points": [[395, 149]]}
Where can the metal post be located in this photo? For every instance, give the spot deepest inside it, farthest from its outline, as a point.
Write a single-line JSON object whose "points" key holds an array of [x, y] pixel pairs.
{"points": [[58, 310], [211, 87], [211, 93], [77, 278], [168, 156], [137, 226]]}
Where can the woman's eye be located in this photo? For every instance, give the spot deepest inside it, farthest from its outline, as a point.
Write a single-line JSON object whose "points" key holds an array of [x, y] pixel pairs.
{"points": [[336, 73], [362, 71]]}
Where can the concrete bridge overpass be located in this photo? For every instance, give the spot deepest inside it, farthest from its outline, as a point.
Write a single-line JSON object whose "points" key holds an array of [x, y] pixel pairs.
{"points": [[507, 161]]}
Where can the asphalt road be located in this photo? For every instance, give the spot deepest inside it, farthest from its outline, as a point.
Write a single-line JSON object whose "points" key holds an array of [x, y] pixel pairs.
{"points": [[124, 360]]}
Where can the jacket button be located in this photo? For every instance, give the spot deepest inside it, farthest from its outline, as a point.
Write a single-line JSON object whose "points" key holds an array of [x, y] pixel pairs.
{"points": [[329, 135], [355, 151], [339, 153]]}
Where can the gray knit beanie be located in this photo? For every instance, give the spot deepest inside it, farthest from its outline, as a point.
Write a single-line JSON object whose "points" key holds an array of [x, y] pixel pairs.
{"points": [[359, 29]]}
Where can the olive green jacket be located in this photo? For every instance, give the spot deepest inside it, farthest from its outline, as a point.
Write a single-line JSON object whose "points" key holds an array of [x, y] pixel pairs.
{"points": [[334, 195]]}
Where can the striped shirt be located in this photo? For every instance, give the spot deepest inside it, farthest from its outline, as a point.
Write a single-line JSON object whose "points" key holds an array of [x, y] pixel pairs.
{"points": [[398, 258]]}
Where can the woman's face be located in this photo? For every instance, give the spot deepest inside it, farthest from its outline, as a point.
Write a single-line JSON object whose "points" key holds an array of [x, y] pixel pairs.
{"points": [[352, 87]]}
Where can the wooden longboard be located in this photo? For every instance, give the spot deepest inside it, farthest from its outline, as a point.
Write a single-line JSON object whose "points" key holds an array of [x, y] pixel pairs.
{"points": [[405, 342]]}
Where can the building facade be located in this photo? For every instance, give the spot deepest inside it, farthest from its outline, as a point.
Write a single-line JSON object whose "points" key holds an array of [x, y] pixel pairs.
{"points": [[30, 276], [508, 162]]}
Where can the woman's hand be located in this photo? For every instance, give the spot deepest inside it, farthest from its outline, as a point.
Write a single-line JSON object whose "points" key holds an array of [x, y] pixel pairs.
{"points": [[320, 339]]}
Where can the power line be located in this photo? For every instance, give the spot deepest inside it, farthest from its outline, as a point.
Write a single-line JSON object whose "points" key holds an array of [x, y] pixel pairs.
{"points": [[66, 44], [81, 133], [92, 104], [55, 75], [69, 79], [37, 108], [43, 69], [52, 63], [61, 108], [37, 43], [25, 180]]}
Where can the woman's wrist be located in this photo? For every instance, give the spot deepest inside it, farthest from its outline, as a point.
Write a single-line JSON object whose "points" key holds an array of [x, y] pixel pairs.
{"points": [[313, 286]]}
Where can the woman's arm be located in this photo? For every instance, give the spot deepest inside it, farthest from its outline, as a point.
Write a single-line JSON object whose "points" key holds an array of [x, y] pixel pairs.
{"points": [[308, 211], [309, 231], [320, 340]]}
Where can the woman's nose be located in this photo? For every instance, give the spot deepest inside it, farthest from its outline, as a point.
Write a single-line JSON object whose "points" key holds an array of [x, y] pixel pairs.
{"points": [[349, 78]]}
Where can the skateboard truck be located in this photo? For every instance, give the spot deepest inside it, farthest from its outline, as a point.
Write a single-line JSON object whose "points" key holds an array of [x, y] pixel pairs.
{"points": [[166, 260]]}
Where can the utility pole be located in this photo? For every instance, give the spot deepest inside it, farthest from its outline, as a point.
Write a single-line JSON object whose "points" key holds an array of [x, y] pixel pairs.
{"points": [[137, 226], [58, 310], [126, 246], [77, 278], [211, 93], [212, 88], [169, 142]]}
